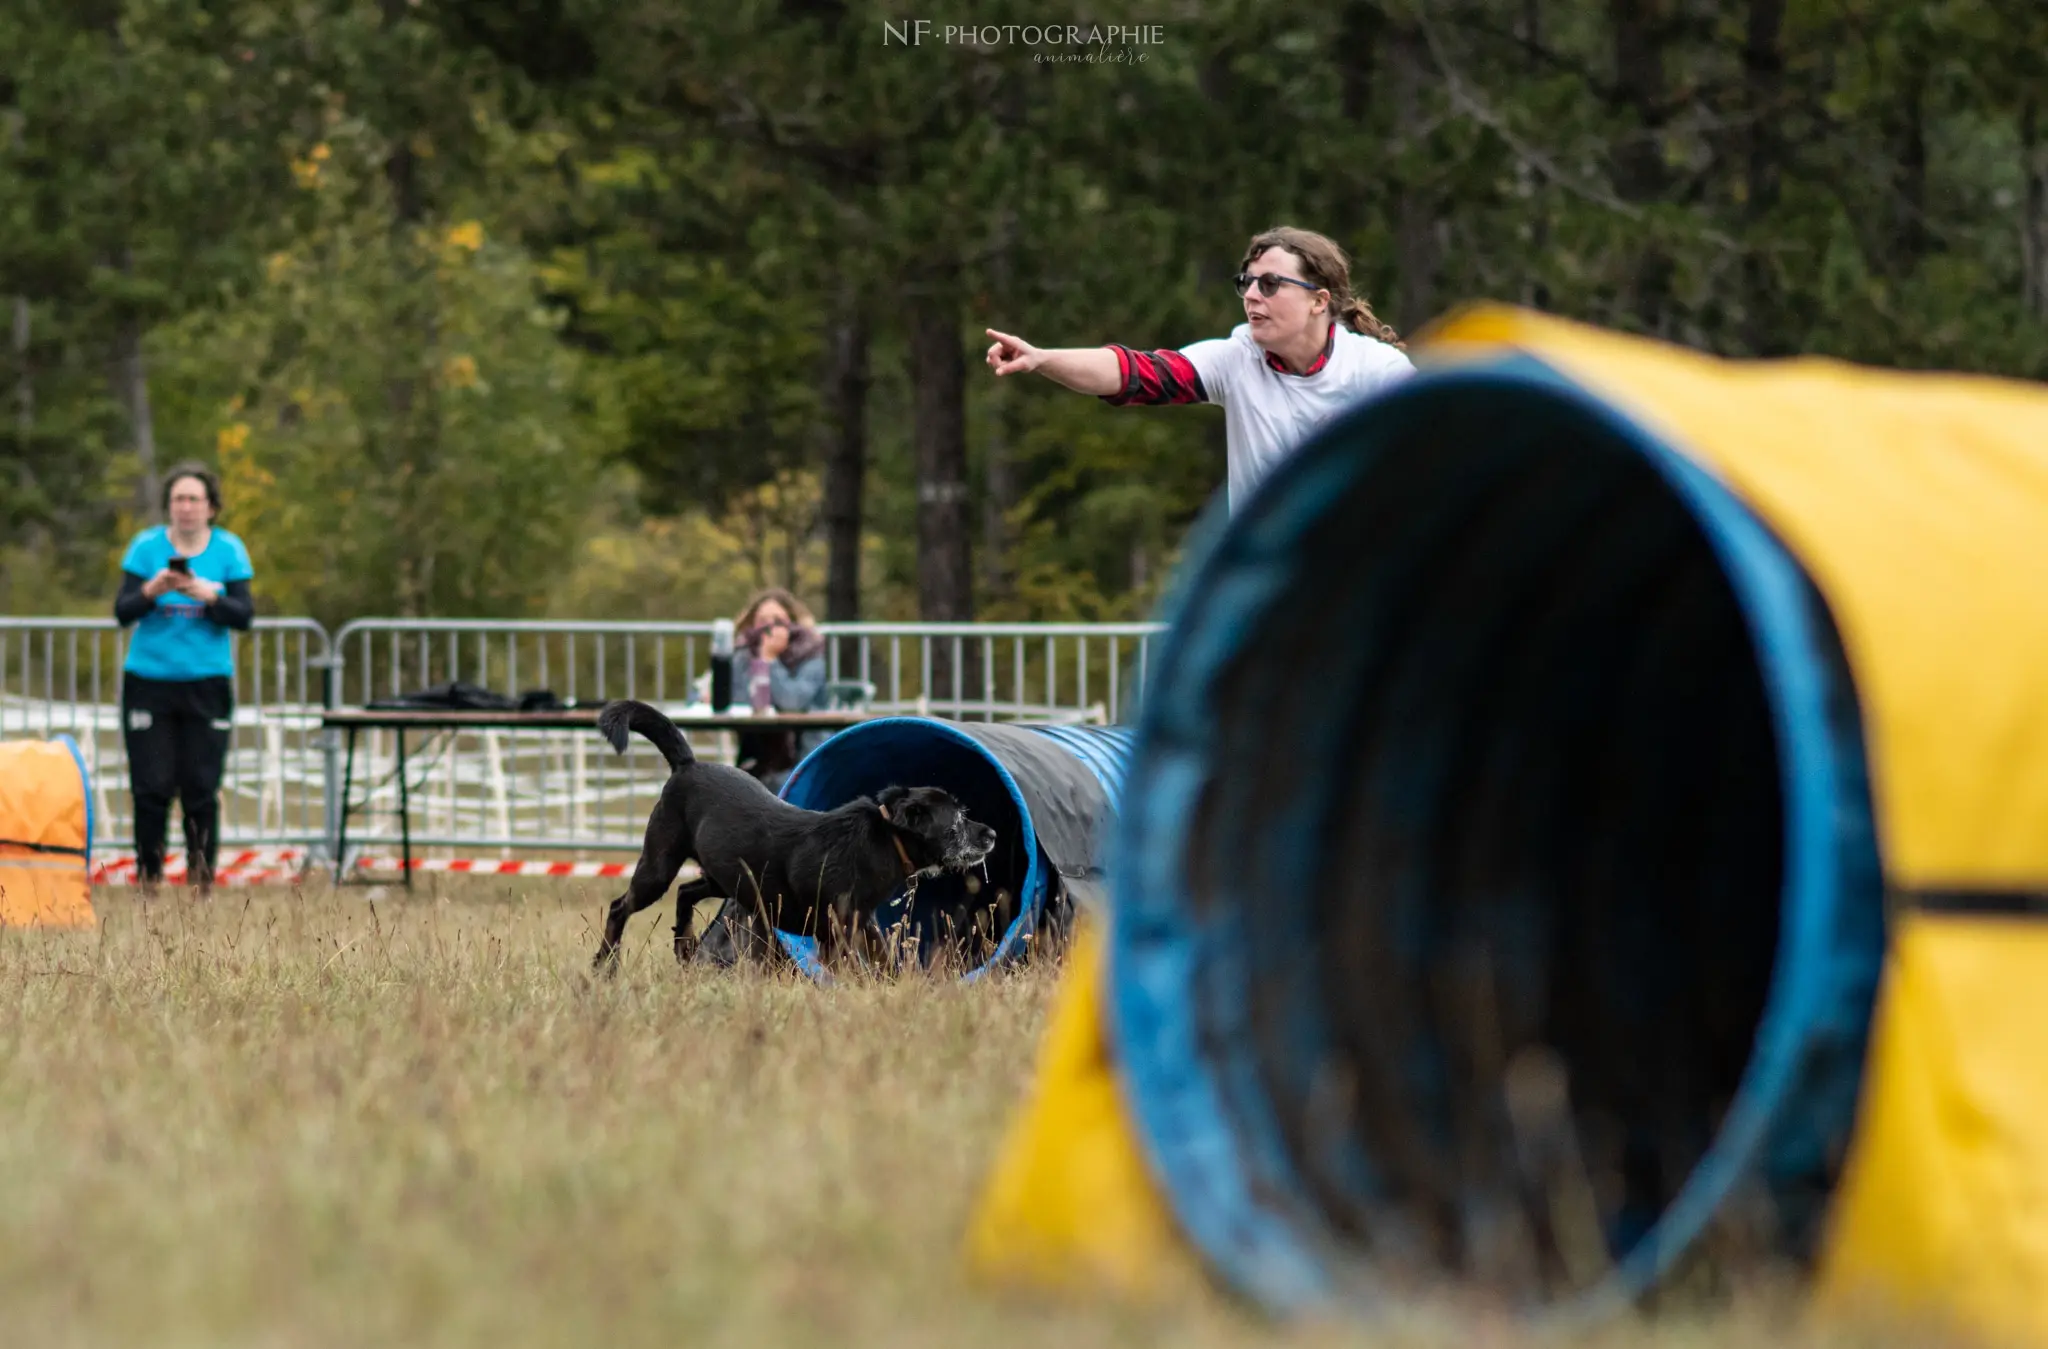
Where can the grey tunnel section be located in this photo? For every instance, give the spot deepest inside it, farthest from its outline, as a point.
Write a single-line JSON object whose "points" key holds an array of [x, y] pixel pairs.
{"points": [[1500, 884]]}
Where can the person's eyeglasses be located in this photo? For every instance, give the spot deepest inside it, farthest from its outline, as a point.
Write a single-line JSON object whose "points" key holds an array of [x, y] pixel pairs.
{"points": [[1269, 284]]}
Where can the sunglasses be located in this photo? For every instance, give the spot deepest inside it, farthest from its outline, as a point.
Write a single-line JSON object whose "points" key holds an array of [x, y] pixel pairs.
{"points": [[1268, 284]]}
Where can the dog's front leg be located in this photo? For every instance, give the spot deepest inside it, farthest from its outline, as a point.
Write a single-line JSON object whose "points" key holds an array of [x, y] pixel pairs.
{"points": [[615, 916]]}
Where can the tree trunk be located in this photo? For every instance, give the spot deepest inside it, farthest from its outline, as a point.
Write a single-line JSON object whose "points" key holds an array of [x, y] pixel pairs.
{"points": [[999, 475], [401, 173], [1639, 171], [1639, 77], [24, 383], [846, 456], [409, 458], [29, 518], [1214, 266], [1535, 294], [999, 495], [1909, 201], [1415, 218], [2034, 209], [130, 378], [1763, 63], [130, 374], [24, 377], [1357, 55], [938, 377], [401, 166]]}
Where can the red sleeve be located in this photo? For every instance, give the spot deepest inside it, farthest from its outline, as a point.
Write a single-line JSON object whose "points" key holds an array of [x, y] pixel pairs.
{"points": [[1151, 377]]}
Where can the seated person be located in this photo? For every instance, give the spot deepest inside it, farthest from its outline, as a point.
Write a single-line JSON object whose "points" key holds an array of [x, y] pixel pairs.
{"points": [[778, 665]]}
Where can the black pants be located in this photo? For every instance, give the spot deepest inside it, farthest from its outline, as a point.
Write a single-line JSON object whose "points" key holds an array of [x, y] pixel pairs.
{"points": [[177, 732]]}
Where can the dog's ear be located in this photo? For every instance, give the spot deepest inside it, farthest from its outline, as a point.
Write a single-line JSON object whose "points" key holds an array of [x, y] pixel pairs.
{"points": [[904, 808]]}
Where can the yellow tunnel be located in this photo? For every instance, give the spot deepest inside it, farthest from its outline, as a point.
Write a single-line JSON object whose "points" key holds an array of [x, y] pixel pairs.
{"points": [[1691, 725], [45, 835]]}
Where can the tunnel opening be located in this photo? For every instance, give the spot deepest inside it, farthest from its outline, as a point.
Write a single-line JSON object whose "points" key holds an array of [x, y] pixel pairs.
{"points": [[965, 920], [1507, 778]]}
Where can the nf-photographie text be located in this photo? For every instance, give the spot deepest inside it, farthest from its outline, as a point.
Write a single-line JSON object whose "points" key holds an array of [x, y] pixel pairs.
{"points": [[916, 32]]}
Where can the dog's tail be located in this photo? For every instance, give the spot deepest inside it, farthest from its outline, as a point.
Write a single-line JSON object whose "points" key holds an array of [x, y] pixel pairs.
{"points": [[625, 714]]}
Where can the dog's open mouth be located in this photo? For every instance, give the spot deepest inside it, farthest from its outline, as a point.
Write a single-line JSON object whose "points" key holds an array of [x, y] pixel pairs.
{"points": [[961, 861], [967, 854]]}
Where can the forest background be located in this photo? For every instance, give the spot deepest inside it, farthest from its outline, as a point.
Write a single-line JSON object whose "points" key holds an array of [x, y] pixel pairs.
{"points": [[622, 308]]}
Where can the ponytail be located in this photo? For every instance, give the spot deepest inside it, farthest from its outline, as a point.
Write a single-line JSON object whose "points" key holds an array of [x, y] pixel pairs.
{"points": [[1357, 315]]}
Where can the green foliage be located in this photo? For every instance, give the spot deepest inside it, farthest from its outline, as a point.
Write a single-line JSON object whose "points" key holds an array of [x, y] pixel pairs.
{"points": [[547, 329], [711, 335], [397, 425], [696, 565], [133, 179]]}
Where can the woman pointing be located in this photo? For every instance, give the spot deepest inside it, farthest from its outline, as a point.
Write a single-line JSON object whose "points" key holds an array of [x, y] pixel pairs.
{"points": [[1308, 349]]}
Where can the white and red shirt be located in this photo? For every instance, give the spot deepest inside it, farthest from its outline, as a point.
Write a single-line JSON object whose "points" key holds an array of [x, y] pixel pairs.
{"points": [[1268, 409]]}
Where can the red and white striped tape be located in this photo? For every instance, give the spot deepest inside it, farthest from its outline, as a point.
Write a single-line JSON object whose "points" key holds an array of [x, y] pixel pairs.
{"points": [[267, 866], [248, 866], [483, 866]]}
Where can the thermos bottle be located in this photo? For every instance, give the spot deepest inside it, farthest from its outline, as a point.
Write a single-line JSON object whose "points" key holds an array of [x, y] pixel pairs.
{"points": [[721, 664]]}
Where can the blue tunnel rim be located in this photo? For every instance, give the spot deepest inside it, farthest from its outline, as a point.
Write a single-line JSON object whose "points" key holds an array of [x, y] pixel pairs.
{"points": [[804, 950], [65, 739], [1265, 1256]]}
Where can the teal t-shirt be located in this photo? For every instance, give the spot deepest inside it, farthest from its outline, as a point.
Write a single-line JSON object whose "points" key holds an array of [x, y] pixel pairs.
{"points": [[176, 640]]}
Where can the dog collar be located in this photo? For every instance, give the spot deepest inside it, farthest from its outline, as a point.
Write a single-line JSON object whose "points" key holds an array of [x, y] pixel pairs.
{"points": [[904, 856]]}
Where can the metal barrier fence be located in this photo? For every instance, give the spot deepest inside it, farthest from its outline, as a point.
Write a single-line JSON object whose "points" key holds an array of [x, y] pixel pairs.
{"points": [[506, 790], [979, 671], [566, 791], [1088, 672], [64, 675]]}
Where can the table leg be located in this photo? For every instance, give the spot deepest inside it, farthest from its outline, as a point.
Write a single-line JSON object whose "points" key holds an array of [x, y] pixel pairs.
{"points": [[348, 778], [404, 811]]}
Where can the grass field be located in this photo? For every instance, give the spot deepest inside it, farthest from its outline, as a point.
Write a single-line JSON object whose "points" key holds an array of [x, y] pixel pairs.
{"points": [[305, 1120]]}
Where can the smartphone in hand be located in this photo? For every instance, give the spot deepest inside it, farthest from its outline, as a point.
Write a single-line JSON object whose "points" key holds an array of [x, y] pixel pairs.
{"points": [[180, 566]]}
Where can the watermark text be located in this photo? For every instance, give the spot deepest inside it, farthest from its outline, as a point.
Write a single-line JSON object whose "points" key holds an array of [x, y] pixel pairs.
{"points": [[917, 32]]}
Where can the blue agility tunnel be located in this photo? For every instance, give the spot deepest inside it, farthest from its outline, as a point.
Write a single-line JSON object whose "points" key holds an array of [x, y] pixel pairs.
{"points": [[1048, 791], [1498, 901]]}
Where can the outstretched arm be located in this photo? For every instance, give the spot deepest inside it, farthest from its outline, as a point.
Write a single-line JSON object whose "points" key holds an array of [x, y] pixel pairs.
{"points": [[1117, 374], [1083, 369]]}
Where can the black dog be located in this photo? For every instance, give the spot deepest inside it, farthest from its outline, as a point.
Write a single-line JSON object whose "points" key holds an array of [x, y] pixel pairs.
{"points": [[821, 873]]}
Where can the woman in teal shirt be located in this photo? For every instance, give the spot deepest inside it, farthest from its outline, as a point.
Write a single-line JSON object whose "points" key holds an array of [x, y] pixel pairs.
{"points": [[184, 585]]}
